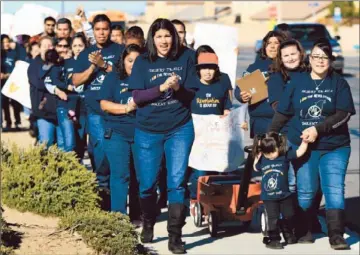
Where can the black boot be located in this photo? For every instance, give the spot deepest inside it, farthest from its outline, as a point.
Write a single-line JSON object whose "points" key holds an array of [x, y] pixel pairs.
{"points": [[105, 203], [335, 219], [287, 230], [149, 218], [303, 233], [273, 242], [176, 220]]}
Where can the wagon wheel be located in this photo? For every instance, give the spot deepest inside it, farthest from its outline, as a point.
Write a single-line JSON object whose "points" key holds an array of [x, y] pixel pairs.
{"points": [[198, 215], [213, 224]]}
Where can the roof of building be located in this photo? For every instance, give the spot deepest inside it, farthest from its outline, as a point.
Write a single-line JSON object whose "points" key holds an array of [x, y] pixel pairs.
{"points": [[293, 10]]}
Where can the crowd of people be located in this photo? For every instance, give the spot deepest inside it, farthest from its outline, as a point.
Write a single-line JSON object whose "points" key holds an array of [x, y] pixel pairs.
{"points": [[128, 101]]}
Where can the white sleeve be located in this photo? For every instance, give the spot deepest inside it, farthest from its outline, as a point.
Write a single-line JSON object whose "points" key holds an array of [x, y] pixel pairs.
{"points": [[89, 32], [50, 88]]}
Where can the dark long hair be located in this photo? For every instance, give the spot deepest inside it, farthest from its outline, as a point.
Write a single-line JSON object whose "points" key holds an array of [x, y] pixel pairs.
{"points": [[206, 49], [82, 37], [280, 36], [269, 142], [150, 44], [52, 57], [120, 65], [278, 65]]}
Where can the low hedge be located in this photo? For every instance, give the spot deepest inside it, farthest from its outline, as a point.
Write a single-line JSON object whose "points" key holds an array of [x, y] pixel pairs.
{"points": [[53, 183]]}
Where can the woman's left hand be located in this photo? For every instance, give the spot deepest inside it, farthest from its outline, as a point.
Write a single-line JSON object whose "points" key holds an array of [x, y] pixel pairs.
{"points": [[309, 135], [226, 113]]}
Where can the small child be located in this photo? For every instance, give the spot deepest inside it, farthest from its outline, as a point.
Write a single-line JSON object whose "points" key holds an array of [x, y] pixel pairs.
{"points": [[272, 158]]}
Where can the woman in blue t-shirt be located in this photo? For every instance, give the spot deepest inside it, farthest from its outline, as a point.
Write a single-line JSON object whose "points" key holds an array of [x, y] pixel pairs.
{"points": [[160, 82], [119, 124], [43, 103], [212, 97], [290, 60], [321, 104], [261, 113]]}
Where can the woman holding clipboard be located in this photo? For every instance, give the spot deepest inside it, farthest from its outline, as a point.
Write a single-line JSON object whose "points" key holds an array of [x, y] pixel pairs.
{"points": [[261, 113]]}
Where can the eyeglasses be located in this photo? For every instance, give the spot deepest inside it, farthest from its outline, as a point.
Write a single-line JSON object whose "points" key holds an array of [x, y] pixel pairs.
{"points": [[63, 45], [318, 58]]}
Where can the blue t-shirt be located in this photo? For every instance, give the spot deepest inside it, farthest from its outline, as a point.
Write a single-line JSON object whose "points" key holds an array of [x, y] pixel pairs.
{"points": [[212, 98], [170, 110], [8, 59], [276, 87], [260, 113], [275, 184], [189, 53], [116, 90], [310, 106], [111, 53]]}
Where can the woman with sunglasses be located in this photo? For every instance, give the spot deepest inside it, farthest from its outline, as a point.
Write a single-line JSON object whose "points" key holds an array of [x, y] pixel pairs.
{"points": [[320, 103]]}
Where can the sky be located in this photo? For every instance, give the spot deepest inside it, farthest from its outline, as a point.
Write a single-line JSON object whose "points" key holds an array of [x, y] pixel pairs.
{"points": [[132, 7]]}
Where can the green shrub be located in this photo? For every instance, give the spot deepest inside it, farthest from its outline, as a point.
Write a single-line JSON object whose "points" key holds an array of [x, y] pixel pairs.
{"points": [[47, 182], [118, 235], [52, 182]]}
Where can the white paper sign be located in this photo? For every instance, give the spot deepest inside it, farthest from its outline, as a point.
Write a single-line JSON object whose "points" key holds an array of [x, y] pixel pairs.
{"points": [[223, 39], [17, 86], [218, 144]]}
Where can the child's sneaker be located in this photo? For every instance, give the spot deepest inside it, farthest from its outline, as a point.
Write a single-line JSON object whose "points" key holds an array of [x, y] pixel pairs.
{"points": [[274, 244]]}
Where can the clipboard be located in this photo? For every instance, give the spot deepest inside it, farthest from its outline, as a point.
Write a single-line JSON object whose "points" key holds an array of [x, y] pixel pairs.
{"points": [[255, 84]]}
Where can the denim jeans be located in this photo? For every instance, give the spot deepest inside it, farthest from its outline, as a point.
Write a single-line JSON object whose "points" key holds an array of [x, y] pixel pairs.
{"points": [[48, 131], [149, 151], [331, 166], [96, 136], [118, 151], [67, 129]]}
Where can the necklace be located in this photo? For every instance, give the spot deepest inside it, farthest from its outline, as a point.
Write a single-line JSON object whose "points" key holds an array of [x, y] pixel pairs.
{"points": [[318, 85]]}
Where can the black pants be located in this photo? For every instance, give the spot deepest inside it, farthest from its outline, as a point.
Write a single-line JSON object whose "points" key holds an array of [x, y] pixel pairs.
{"points": [[5, 105], [275, 207]]}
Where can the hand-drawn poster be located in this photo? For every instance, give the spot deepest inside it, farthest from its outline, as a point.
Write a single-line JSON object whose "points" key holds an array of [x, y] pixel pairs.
{"points": [[218, 144]]}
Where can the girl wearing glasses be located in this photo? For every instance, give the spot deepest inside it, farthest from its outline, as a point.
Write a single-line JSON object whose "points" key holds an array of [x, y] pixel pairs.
{"points": [[321, 104]]}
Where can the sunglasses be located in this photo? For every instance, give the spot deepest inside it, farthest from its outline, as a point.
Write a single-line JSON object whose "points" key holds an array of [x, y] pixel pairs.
{"points": [[63, 45], [318, 58]]}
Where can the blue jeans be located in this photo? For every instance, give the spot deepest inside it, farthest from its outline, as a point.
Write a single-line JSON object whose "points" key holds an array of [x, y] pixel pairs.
{"points": [[48, 131], [119, 151], [67, 129], [149, 151], [96, 136], [331, 166]]}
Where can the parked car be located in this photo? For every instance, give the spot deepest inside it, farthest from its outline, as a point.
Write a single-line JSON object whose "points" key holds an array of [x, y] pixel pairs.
{"points": [[307, 34]]}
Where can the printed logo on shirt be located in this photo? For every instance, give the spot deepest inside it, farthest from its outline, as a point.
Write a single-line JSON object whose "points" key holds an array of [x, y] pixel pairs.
{"points": [[123, 90], [109, 57], [208, 102], [9, 61], [47, 79], [271, 182], [315, 110], [99, 80]]}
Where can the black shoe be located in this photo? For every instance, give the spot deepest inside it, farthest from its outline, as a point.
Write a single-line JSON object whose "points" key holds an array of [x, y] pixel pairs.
{"points": [[147, 233], [176, 245], [105, 203], [274, 244], [337, 242], [289, 238], [176, 221], [307, 238], [335, 219]]}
